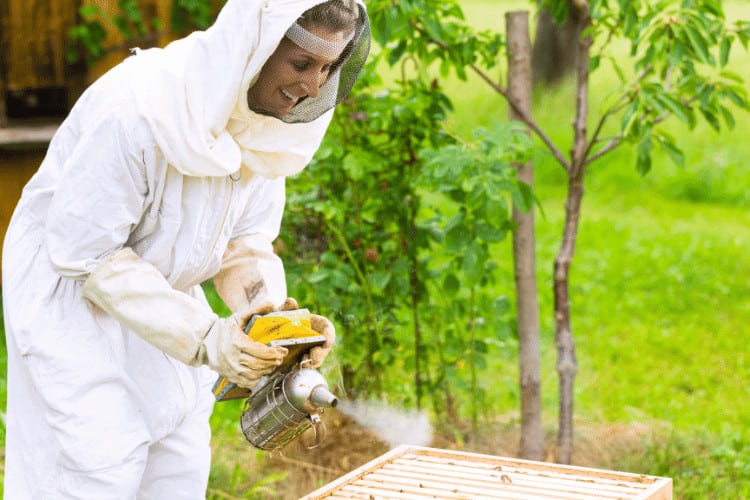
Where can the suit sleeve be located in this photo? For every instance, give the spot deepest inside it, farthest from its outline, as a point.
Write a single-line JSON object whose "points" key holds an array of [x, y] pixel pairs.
{"points": [[251, 273]]}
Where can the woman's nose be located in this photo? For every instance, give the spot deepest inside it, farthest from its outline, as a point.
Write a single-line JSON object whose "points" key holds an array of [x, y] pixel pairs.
{"points": [[311, 84]]}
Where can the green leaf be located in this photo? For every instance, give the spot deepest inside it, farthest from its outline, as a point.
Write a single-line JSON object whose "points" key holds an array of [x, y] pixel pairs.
{"points": [[732, 76], [737, 99], [500, 306], [379, 279], [455, 221], [523, 197], [676, 107], [726, 45], [643, 163], [434, 29], [711, 119], [451, 285], [594, 63], [457, 238], [472, 264], [489, 232], [629, 118], [480, 346], [318, 276], [676, 155], [88, 11], [397, 52], [728, 117], [698, 43], [355, 164], [340, 280]]}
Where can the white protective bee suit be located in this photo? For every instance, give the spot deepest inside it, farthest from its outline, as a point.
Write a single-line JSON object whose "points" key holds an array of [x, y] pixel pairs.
{"points": [[160, 178]]}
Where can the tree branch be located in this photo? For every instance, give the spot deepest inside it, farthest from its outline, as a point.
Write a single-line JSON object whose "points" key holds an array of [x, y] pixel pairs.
{"points": [[613, 143], [525, 118], [617, 140], [580, 145]]}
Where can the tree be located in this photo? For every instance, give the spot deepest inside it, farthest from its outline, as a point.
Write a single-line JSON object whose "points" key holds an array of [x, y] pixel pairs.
{"points": [[555, 43], [524, 251], [680, 55]]}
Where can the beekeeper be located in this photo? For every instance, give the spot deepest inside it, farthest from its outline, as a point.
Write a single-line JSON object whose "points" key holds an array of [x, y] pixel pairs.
{"points": [[168, 171]]}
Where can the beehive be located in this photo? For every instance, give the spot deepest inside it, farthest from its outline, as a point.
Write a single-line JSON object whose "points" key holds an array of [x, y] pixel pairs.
{"points": [[410, 472]]}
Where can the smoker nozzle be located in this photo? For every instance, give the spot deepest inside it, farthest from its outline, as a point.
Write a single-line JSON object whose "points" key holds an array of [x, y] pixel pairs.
{"points": [[321, 397]]}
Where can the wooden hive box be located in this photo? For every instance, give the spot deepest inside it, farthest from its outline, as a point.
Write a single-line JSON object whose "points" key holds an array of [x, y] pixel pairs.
{"points": [[410, 472]]}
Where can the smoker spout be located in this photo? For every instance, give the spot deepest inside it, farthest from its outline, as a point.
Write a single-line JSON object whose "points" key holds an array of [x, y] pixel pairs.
{"points": [[321, 397]]}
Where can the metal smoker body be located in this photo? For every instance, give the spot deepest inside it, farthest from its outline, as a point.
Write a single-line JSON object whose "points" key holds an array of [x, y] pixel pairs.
{"points": [[285, 406]]}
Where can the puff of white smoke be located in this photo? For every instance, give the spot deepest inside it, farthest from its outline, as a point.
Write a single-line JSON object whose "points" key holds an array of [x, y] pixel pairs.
{"points": [[394, 426]]}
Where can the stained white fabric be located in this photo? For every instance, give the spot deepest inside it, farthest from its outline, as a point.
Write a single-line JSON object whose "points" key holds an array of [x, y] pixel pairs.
{"points": [[94, 411], [248, 274], [134, 293]]}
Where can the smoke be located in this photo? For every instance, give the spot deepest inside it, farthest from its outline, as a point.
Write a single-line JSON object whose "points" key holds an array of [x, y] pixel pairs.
{"points": [[394, 426]]}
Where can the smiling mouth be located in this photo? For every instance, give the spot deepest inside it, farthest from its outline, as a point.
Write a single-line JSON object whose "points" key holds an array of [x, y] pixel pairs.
{"points": [[291, 98]]}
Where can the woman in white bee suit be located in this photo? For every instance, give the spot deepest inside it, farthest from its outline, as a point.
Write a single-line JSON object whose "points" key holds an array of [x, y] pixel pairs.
{"points": [[168, 171]]}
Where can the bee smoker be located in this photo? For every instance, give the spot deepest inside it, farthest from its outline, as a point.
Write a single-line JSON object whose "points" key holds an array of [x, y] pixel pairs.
{"points": [[286, 406]]}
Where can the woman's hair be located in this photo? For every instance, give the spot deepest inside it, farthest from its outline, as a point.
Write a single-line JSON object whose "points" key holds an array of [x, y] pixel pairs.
{"points": [[332, 16]]}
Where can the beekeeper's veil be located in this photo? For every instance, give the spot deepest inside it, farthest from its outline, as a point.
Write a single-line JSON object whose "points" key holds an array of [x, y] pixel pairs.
{"points": [[193, 93]]}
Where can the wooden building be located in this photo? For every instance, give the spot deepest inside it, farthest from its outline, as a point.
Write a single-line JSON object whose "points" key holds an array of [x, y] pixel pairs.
{"points": [[38, 84]]}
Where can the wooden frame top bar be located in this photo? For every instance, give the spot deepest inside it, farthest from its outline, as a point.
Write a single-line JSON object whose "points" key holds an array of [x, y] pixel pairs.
{"points": [[412, 472]]}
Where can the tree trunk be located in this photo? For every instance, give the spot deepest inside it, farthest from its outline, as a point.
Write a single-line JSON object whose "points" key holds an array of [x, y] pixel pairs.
{"points": [[567, 366], [524, 243], [555, 46]]}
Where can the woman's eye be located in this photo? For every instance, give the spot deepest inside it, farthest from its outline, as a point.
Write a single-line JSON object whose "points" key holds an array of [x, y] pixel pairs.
{"points": [[300, 66]]}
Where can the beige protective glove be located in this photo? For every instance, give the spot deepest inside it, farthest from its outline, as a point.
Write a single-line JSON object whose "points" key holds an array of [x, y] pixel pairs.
{"points": [[250, 275], [324, 327], [321, 325], [136, 294], [231, 353]]}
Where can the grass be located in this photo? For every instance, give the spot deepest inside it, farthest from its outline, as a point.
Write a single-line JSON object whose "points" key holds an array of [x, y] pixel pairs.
{"points": [[659, 290]]}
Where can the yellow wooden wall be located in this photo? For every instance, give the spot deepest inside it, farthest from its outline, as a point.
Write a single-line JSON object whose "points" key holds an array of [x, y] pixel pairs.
{"points": [[33, 38], [33, 34], [16, 168]]}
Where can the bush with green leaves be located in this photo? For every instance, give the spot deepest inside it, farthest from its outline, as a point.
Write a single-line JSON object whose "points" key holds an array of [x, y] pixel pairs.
{"points": [[363, 239]]}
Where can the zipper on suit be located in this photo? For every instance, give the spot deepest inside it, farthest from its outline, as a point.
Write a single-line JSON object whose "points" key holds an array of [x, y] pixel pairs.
{"points": [[220, 226], [214, 240]]}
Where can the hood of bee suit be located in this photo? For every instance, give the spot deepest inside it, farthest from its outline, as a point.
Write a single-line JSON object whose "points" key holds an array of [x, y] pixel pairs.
{"points": [[193, 94]]}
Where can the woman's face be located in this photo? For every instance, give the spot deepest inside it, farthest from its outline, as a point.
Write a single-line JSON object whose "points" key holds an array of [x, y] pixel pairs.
{"points": [[290, 74]]}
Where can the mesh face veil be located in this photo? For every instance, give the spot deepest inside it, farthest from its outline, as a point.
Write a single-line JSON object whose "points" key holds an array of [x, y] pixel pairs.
{"points": [[313, 43], [350, 54]]}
